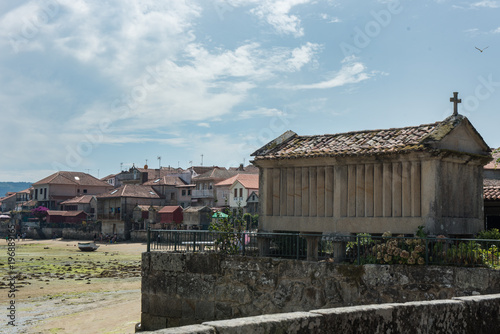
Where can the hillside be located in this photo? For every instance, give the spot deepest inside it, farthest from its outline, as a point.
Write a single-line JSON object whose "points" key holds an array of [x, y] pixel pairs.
{"points": [[6, 187]]}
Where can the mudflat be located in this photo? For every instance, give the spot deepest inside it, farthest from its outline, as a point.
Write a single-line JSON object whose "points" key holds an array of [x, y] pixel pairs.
{"points": [[60, 289]]}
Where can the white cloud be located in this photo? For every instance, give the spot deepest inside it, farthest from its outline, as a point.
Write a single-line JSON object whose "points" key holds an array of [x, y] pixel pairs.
{"points": [[277, 14], [496, 31], [205, 87], [486, 4], [352, 71], [266, 112]]}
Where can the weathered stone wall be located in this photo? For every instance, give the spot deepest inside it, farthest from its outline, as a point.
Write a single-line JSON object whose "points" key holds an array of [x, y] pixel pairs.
{"points": [[182, 289], [65, 233], [139, 236], [474, 315]]}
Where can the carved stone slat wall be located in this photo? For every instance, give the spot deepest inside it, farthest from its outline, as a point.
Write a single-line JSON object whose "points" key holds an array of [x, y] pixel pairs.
{"points": [[290, 198], [275, 182], [363, 190], [298, 192], [320, 199], [369, 183], [378, 184], [360, 191], [268, 184], [283, 191], [416, 189], [396, 189], [329, 188], [313, 195], [305, 191], [406, 190], [351, 191], [341, 195], [387, 192]]}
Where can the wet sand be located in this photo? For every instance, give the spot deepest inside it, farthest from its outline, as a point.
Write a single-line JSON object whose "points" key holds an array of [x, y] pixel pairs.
{"points": [[64, 290]]}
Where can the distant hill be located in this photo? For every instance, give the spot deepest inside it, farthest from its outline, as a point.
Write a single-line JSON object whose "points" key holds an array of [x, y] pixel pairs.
{"points": [[6, 187]]}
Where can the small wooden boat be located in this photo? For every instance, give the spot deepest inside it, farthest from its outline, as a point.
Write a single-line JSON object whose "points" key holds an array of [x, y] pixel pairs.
{"points": [[87, 246]]}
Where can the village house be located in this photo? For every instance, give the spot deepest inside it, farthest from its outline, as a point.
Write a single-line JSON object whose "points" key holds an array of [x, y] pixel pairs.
{"points": [[171, 216], [197, 217], [115, 208], [376, 180], [239, 188], [57, 218], [85, 203], [204, 193], [8, 202], [492, 192], [58, 187]]}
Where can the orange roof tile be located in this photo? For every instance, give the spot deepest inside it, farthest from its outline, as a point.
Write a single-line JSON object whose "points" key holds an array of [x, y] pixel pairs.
{"points": [[491, 193], [359, 143]]}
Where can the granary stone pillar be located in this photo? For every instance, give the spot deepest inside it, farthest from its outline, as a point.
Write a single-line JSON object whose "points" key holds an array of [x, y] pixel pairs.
{"points": [[264, 244], [312, 240]]}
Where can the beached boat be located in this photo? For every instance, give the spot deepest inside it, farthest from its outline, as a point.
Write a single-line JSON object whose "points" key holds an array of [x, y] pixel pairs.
{"points": [[87, 246]]}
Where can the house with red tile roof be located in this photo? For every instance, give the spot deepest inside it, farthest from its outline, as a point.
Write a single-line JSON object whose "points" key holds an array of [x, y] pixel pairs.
{"points": [[171, 215], [85, 203], [375, 181], [55, 218], [115, 208], [492, 192], [63, 185], [8, 202], [236, 190]]}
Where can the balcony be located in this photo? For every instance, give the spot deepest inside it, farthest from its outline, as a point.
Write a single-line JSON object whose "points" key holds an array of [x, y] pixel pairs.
{"points": [[109, 216], [204, 193]]}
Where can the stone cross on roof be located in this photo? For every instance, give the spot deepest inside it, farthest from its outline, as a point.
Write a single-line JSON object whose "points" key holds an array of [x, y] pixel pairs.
{"points": [[455, 101]]}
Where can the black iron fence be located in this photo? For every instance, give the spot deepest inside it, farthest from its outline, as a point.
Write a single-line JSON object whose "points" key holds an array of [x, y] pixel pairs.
{"points": [[359, 249]]}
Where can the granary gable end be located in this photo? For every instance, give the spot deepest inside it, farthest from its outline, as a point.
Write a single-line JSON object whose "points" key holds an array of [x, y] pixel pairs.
{"points": [[376, 180]]}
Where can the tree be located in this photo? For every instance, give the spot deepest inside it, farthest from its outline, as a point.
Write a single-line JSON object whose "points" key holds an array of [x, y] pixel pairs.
{"points": [[40, 213]]}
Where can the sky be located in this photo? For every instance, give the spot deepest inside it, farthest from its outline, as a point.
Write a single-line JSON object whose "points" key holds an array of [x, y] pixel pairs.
{"points": [[99, 86]]}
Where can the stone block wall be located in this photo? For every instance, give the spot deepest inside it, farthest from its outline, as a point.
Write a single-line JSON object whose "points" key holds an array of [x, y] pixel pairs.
{"points": [[139, 236], [474, 315], [190, 288]]}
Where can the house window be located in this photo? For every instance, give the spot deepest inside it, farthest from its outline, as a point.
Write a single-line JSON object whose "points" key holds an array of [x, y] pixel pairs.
{"points": [[210, 186], [189, 192], [84, 191], [184, 193], [172, 196], [235, 192], [36, 193], [241, 192], [45, 193]]}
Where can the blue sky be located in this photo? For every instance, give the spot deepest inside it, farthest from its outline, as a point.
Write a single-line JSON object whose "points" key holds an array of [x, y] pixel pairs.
{"points": [[93, 85]]}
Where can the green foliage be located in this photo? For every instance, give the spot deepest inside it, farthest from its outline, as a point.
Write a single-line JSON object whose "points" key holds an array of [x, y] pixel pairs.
{"points": [[420, 232], [255, 222], [493, 234], [362, 244], [228, 232]]}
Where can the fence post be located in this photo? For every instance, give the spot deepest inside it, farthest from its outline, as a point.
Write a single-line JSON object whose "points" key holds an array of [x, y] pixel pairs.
{"points": [[194, 242], [148, 249], [359, 250], [426, 251]]}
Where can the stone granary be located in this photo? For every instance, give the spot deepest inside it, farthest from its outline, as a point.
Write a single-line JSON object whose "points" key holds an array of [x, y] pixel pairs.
{"points": [[375, 181]]}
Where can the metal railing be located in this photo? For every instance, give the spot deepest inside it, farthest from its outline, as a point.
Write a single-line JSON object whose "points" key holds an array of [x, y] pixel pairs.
{"points": [[360, 249]]}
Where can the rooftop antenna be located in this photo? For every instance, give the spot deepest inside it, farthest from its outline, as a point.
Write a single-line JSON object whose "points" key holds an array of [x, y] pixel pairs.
{"points": [[202, 159], [159, 162], [121, 166]]}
